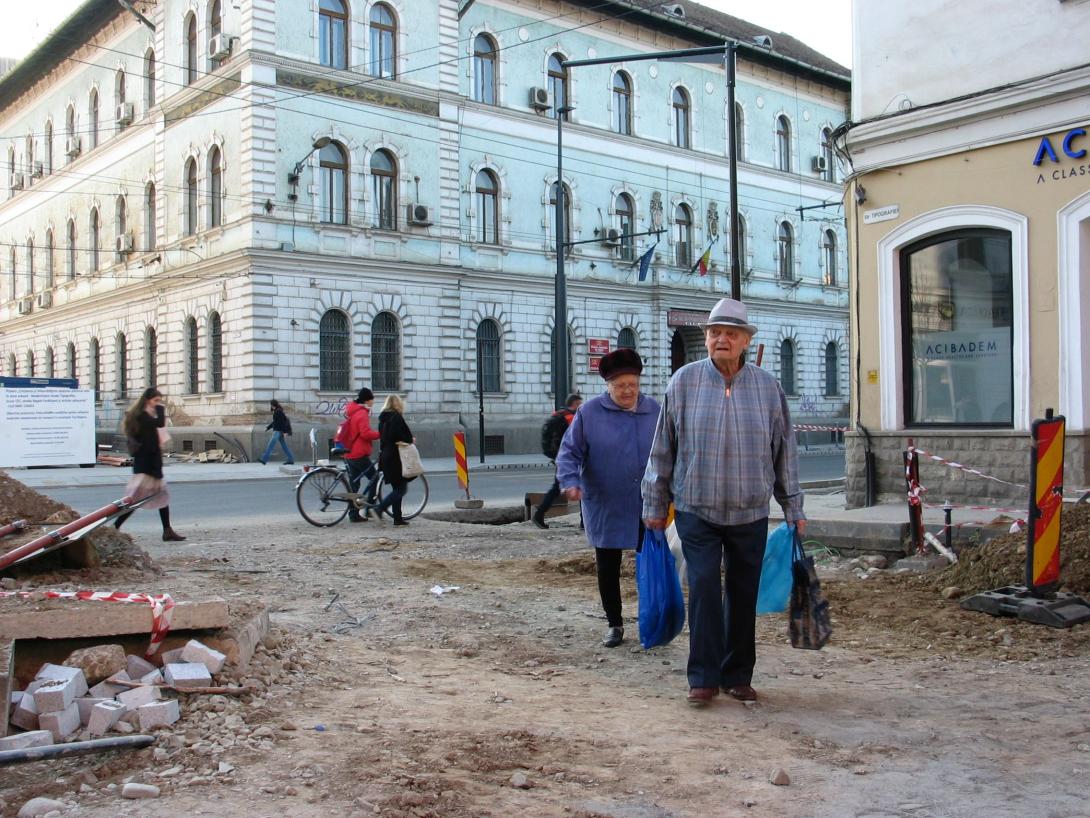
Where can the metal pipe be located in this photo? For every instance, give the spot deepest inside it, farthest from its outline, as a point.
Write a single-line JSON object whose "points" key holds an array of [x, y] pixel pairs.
{"points": [[75, 748], [561, 376]]}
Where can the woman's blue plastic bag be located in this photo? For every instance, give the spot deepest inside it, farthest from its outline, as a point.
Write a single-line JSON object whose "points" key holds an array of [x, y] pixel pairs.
{"points": [[662, 607], [776, 579]]}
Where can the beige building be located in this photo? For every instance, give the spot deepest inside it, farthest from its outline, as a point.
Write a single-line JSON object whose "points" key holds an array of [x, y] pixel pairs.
{"points": [[969, 218]]}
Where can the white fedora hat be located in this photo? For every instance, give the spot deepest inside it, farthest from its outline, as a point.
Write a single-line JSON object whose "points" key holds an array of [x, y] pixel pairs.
{"points": [[730, 313]]}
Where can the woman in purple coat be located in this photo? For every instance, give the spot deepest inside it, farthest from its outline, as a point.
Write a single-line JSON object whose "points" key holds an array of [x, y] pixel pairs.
{"points": [[601, 462]]}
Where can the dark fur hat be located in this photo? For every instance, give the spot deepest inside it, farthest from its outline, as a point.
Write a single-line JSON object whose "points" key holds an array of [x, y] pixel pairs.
{"points": [[620, 362]]}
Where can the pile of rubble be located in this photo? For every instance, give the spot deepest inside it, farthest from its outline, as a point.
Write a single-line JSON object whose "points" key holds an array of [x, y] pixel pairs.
{"points": [[210, 456], [127, 694]]}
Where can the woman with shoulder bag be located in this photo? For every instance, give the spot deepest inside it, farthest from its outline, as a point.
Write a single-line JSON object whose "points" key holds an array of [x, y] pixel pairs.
{"points": [[392, 430], [144, 423], [280, 426]]}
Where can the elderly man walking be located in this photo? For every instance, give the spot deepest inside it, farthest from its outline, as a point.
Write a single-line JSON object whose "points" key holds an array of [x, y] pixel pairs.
{"points": [[724, 446]]}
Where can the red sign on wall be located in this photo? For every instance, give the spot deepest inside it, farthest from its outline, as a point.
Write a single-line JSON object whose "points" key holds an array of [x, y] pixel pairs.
{"points": [[598, 346], [592, 363]]}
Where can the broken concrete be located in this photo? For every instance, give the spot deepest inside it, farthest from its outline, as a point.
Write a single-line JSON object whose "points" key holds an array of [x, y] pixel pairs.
{"points": [[98, 661], [187, 675], [158, 714], [104, 715], [23, 741], [132, 699], [74, 618], [61, 723], [197, 652]]}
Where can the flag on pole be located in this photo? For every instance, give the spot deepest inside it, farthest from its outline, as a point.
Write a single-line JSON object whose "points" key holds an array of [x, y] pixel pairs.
{"points": [[704, 260], [645, 261]]}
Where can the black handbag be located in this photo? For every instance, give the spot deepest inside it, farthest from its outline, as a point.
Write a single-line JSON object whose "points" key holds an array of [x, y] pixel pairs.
{"points": [[809, 624]]}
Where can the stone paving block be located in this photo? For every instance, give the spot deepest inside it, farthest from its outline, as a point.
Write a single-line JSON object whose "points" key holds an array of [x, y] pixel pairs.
{"points": [[195, 651], [158, 714], [104, 715], [170, 657], [86, 703], [25, 714], [105, 690], [187, 674], [137, 696], [153, 678], [137, 666], [50, 671], [56, 694], [61, 723], [23, 741]]}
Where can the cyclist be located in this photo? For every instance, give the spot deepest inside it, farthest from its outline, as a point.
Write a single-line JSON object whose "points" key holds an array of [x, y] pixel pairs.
{"points": [[356, 439]]}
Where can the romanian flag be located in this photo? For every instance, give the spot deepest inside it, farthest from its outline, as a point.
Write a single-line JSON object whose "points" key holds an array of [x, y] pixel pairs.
{"points": [[645, 261], [704, 260]]}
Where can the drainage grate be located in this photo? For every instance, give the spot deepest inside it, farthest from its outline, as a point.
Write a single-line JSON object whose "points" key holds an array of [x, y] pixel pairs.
{"points": [[493, 444]]}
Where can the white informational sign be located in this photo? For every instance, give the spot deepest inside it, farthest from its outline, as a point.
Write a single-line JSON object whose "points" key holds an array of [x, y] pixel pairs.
{"points": [[881, 214], [46, 426], [963, 376]]}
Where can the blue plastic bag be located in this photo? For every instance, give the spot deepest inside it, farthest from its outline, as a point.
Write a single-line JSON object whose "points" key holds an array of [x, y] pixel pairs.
{"points": [[662, 607], [776, 579]]}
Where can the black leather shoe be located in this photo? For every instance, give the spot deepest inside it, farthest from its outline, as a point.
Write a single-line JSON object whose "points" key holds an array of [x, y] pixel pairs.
{"points": [[539, 521], [401, 522], [614, 637]]}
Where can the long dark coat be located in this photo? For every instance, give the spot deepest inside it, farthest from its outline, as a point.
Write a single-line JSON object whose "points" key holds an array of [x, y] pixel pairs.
{"points": [[392, 429]]}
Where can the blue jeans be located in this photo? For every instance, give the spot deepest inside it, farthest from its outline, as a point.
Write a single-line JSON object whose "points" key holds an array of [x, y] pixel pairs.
{"points": [[359, 468], [278, 437], [722, 621]]}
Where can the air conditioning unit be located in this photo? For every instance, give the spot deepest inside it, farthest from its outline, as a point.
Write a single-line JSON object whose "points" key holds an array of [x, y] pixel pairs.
{"points": [[124, 244], [419, 215], [72, 146], [541, 99], [819, 164], [38, 171], [45, 298], [612, 238], [219, 47], [124, 113], [25, 306], [17, 181]]}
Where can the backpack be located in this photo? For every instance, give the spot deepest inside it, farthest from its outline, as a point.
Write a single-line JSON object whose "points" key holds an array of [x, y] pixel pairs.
{"points": [[552, 432], [339, 442]]}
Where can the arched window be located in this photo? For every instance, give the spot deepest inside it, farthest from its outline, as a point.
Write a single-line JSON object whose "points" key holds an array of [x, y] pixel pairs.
{"points": [[333, 178], [333, 33], [70, 253], [119, 99], [622, 103], [94, 236], [190, 63], [94, 368], [828, 253], [783, 143], [385, 353], [92, 120], [190, 226], [122, 373], [682, 110], [785, 252], [192, 357], [739, 131], [484, 69], [489, 362], [30, 373], [50, 363], [383, 42], [558, 85], [149, 80], [151, 357], [334, 360], [567, 237], [626, 338], [626, 226], [829, 174], [683, 236], [384, 190], [215, 188], [121, 223], [72, 368], [29, 266], [149, 216], [215, 353], [832, 370], [741, 243], [47, 164], [488, 216], [787, 366], [215, 29], [71, 141], [50, 268]]}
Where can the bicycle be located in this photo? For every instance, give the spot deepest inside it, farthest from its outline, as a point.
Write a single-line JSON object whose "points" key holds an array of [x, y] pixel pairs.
{"points": [[324, 495]]}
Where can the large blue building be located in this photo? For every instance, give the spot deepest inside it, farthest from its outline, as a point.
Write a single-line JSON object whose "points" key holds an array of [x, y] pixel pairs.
{"points": [[285, 199]]}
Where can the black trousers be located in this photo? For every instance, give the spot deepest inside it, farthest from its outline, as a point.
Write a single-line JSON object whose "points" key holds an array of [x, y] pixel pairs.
{"points": [[549, 498], [608, 561]]}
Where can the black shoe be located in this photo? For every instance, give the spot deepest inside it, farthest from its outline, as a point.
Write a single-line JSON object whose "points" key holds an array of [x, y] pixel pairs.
{"points": [[539, 521], [401, 522], [356, 519], [289, 463], [614, 637]]}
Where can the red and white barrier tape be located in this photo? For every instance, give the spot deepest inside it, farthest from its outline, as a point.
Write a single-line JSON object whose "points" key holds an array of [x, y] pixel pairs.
{"points": [[967, 469], [162, 607], [802, 427]]}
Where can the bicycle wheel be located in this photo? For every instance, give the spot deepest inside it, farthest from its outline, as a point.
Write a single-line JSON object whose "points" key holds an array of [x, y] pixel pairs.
{"points": [[416, 496], [322, 497]]}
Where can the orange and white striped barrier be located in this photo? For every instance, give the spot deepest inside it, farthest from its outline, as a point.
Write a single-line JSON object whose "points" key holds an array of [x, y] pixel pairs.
{"points": [[462, 468]]}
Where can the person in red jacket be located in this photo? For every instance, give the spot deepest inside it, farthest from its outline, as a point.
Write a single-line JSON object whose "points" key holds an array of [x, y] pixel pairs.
{"points": [[357, 440]]}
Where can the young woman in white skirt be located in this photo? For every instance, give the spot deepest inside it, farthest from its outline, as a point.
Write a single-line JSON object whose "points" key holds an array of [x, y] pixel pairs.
{"points": [[142, 426]]}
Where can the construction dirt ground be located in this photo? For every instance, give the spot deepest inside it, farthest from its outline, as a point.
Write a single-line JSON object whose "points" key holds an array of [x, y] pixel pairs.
{"points": [[375, 694]]}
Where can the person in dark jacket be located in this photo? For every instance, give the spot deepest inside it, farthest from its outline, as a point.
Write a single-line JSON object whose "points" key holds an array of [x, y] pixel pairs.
{"points": [[142, 425], [392, 430], [280, 426], [601, 461], [571, 406], [357, 439]]}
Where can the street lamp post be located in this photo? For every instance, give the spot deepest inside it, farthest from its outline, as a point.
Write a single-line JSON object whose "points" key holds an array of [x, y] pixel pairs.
{"points": [[732, 157], [561, 376]]}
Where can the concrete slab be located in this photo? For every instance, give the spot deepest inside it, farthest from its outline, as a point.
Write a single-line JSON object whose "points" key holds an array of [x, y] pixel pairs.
{"points": [[239, 642], [74, 618]]}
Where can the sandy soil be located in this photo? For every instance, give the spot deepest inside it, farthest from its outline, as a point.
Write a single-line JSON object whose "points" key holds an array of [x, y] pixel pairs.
{"points": [[383, 698]]}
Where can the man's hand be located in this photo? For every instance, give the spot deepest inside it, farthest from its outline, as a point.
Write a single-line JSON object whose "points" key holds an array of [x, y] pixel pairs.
{"points": [[655, 524], [574, 493], [801, 526]]}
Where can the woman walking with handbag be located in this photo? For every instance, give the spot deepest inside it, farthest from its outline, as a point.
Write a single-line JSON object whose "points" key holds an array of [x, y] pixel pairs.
{"points": [[393, 429], [144, 423]]}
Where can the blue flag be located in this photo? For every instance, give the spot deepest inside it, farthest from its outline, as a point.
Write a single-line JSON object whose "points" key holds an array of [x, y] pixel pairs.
{"points": [[645, 261]]}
